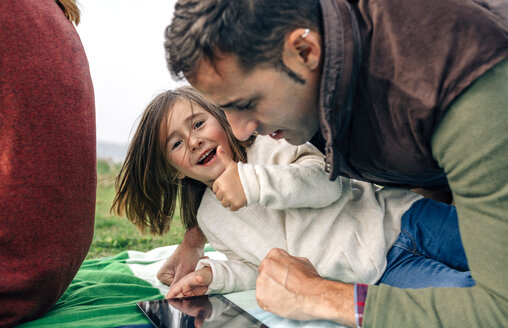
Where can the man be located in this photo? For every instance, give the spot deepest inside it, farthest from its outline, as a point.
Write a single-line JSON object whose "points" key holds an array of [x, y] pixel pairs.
{"points": [[403, 93], [47, 156]]}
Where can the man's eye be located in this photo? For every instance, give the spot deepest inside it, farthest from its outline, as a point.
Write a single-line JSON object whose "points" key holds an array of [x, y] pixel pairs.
{"points": [[247, 106], [176, 144]]}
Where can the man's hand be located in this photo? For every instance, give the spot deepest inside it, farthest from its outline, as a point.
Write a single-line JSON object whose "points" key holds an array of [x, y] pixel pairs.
{"points": [[193, 284], [228, 186], [184, 258], [291, 287]]}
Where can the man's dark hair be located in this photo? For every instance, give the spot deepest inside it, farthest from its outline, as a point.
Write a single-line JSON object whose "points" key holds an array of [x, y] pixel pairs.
{"points": [[253, 30]]}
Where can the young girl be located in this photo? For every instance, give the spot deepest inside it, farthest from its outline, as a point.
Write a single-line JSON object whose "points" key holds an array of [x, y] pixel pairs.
{"points": [[349, 230]]}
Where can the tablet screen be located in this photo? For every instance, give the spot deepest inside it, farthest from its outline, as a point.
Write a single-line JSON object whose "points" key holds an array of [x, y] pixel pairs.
{"points": [[199, 311]]}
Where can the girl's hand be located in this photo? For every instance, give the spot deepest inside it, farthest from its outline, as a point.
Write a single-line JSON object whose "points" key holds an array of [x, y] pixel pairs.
{"points": [[193, 284], [228, 187]]}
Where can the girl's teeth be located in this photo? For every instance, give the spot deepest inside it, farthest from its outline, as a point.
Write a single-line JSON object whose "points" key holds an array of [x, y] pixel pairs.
{"points": [[204, 156]]}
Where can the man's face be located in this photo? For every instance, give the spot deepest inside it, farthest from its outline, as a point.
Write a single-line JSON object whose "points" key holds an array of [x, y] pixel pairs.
{"points": [[265, 100]]}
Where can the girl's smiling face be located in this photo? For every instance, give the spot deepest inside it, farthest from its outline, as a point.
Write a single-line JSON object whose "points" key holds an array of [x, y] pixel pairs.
{"points": [[190, 136]]}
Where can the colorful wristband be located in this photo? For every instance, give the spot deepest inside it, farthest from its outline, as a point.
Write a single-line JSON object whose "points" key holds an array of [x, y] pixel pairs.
{"points": [[360, 297]]}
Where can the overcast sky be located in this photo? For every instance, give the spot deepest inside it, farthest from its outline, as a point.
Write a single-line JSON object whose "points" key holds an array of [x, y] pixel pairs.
{"points": [[123, 40]]}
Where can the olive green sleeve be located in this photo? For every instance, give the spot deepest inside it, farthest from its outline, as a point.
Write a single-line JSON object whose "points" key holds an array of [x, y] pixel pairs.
{"points": [[471, 145]]}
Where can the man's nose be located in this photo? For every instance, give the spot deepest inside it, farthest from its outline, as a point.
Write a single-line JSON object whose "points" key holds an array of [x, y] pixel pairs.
{"points": [[242, 125]]}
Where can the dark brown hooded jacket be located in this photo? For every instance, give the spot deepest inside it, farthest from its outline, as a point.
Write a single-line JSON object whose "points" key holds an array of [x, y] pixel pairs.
{"points": [[390, 71]]}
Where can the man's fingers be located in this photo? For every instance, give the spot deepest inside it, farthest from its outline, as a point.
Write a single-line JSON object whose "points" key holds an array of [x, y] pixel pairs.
{"points": [[276, 253], [265, 287], [166, 279], [166, 274], [275, 264]]}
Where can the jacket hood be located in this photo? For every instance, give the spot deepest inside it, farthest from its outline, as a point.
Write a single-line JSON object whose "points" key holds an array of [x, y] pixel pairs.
{"points": [[338, 80]]}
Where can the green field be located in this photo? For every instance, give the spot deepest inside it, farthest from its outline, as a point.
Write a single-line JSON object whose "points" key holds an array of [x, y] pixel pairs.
{"points": [[116, 234]]}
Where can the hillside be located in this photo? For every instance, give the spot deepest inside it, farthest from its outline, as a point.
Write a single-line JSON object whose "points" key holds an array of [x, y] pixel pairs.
{"points": [[111, 151]]}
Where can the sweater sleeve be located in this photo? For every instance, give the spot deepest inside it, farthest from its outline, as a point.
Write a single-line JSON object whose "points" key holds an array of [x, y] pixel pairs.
{"points": [[230, 276], [293, 177], [235, 274], [471, 144]]}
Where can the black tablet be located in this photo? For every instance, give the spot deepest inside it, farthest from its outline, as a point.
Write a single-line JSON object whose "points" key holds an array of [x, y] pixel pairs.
{"points": [[199, 311]]}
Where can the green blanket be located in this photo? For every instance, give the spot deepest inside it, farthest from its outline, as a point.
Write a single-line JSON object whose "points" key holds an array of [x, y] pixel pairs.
{"points": [[104, 294]]}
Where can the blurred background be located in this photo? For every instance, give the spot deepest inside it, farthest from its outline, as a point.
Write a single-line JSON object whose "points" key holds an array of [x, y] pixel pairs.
{"points": [[123, 40]]}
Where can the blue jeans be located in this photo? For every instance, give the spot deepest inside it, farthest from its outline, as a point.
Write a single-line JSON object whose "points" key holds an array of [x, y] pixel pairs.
{"points": [[429, 251]]}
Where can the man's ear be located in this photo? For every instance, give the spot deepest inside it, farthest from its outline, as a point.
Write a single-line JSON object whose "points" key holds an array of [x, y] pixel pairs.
{"points": [[302, 47]]}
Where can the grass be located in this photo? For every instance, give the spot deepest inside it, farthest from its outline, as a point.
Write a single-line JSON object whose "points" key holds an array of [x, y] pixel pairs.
{"points": [[114, 234]]}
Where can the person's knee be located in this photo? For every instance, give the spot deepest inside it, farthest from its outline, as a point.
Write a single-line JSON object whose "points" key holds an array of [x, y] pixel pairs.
{"points": [[455, 279]]}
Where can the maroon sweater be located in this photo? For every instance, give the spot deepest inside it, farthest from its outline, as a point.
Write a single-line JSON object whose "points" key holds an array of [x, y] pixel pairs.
{"points": [[47, 157]]}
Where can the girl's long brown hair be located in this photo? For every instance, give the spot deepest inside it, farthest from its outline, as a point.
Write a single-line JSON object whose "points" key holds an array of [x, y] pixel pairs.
{"points": [[147, 186]]}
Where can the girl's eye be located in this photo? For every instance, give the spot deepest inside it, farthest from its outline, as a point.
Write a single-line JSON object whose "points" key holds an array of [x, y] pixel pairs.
{"points": [[198, 124], [176, 144]]}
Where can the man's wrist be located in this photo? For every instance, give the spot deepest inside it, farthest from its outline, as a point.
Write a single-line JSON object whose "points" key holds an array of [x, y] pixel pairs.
{"points": [[194, 238], [335, 303]]}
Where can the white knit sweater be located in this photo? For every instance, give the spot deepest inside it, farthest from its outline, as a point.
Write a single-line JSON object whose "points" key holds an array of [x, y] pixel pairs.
{"points": [[344, 227]]}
